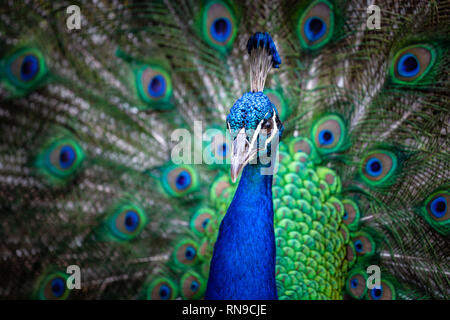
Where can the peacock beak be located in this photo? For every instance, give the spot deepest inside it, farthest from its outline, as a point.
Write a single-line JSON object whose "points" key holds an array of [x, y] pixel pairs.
{"points": [[240, 154]]}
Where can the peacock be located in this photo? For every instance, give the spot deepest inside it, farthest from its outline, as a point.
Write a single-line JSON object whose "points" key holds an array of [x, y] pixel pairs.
{"points": [[134, 147]]}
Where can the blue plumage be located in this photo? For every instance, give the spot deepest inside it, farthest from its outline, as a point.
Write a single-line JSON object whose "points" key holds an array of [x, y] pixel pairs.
{"points": [[249, 109], [264, 40], [243, 264]]}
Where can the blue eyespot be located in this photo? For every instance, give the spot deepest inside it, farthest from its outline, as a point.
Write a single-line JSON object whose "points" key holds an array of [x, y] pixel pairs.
{"points": [[58, 287], [67, 157], [183, 180], [164, 292], [194, 285], [408, 65], [131, 220], [205, 223], [315, 28], [29, 67], [345, 217], [374, 167], [439, 207], [354, 283], [377, 292], [157, 86], [221, 29], [190, 253], [359, 246], [326, 137]]}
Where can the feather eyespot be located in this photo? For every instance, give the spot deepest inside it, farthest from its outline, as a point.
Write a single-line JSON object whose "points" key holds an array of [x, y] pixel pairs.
{"points": [[183, 180], [157, 86], [162, 289], [378, 167], [185, 253], [356, 284], [66, 156], [25, 68], [179, 180], [220, 29], [154, 86], [126, 222], [385, 291], [60, 160], [364, 244], [53, 287], [438, 207], [351, 214], [192, 285], [436, 212], [316, 25], [200, 220], [329, 134], [29, 67], [412, 63], [219, 25]]}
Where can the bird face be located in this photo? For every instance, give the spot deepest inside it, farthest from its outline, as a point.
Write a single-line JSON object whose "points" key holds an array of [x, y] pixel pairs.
{"points": [[255, 128]]}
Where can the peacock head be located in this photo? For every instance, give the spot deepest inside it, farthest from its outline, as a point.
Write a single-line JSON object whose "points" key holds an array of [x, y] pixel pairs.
{"points": [[253, 121], [255, 129]]}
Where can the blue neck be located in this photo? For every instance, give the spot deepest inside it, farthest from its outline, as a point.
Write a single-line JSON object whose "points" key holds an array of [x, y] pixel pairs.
{"points": [[243, 263]]}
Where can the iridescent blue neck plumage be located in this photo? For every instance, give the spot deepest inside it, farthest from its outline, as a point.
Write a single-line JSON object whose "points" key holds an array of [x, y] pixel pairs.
{"points": [[243, 263]]}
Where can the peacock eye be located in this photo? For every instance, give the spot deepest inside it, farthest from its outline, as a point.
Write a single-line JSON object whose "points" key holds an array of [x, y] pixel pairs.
{"points": [[378, 166], [364, 244], [326, 137], [154, 86], [185, 253], [190, 253], [412, 63], [29, 67], [316, 25], [60, 160], [179, 180], [351, 214], [192, 285], [200, 220], [435, 211], [26, 68], [162, 289], [408, 65], [127, 222], [438, 207], [164, 292], [315, 28], [53, 287], [356, 284], [376, 293], [329, 133], [219, 25], [183, 180], [385, 291]]}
